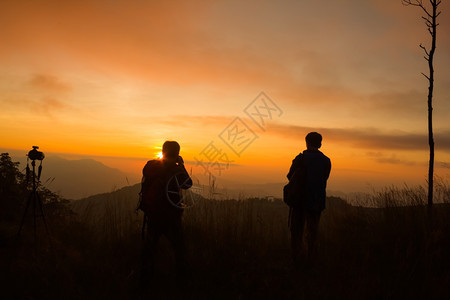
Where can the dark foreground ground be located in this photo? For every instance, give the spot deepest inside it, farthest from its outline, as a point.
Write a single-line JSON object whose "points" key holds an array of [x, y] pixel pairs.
{"points": [[236, 250]]}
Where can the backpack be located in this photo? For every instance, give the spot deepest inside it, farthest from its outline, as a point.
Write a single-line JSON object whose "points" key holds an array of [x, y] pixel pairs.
{"points": [[294, 192], [151, 191], [159, 189]]}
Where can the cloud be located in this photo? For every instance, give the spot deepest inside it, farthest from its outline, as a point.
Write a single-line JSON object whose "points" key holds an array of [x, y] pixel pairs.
{"points": [[48, 83], [45, 105], [39, 94], [393, 159], [324, 59], [362, 138], [193, 123], [443, 164], [366, 138], [195, 42], [197, 121], [397, 102]]}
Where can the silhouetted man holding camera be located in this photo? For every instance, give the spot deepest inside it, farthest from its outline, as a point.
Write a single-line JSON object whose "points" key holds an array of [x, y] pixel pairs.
{"points": [[162, 204], [309, 172]]}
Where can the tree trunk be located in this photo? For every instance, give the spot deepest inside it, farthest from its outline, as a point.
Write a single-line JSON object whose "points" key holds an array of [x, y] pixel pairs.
{"points": [[430, 105]]}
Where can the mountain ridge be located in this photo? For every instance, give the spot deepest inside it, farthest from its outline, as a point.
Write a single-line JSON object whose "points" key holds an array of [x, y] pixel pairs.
{"points": [[78, 178]]}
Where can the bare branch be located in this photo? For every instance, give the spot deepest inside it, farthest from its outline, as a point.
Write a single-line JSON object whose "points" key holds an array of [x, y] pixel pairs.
{"points": [[424, 49], [426, 76], [426, 11], [417, 3], [428, 23], [408, 2], [435, 3], [427, 20]]}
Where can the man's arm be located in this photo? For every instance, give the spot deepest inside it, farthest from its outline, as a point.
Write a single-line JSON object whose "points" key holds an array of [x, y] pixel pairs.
{"points": [[327, 168], [183, 177]]}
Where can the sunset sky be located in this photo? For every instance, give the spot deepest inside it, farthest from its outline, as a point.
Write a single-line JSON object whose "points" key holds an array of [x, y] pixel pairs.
{"points": [[113, 79]]}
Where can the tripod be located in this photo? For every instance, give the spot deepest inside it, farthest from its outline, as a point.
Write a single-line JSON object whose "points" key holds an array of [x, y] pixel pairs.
{"points": [[34, 199]]}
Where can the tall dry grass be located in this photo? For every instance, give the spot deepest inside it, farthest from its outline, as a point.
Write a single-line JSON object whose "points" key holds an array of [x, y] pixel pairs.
{"points": [[240, 249]]}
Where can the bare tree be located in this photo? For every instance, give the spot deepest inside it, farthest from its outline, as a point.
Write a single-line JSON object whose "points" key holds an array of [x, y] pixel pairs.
{"points": [[430, 17]]}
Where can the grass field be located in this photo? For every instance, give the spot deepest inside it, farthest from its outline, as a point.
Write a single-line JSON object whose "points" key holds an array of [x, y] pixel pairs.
{"points": [[236, 250]]}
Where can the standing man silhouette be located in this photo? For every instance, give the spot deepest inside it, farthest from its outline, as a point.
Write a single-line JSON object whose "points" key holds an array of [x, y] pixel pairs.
{"points": [[314, 168], [162, 204]]}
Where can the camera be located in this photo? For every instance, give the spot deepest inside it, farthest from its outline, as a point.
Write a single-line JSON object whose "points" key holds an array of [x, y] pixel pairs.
{"points": [[35, 154]]}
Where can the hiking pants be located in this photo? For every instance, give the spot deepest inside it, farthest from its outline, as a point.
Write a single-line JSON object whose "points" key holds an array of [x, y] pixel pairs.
{"points": [[172, 230], [304, 225]]}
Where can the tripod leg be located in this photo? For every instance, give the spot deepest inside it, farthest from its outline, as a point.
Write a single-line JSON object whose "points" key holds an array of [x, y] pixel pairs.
{"points": [[42, 212], [25, 213], [34, 215]]}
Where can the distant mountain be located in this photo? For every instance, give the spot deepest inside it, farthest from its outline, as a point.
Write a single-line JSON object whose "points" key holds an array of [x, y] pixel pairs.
{"points": [[119, 207], [75, 179], [96, 209], [261, 190]]}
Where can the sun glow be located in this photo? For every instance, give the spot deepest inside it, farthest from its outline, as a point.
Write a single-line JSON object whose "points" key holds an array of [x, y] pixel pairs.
{"points": [[159, 155]]}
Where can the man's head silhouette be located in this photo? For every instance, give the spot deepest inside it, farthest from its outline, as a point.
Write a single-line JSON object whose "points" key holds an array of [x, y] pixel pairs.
{"points": [[171, 150], [313, 140]]}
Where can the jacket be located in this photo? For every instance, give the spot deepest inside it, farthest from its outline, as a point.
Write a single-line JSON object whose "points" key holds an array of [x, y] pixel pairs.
{"points": [[316, 166]]}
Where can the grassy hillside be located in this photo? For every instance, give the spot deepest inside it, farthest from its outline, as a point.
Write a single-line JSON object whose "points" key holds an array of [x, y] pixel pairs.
{"points": [[236, 249]]}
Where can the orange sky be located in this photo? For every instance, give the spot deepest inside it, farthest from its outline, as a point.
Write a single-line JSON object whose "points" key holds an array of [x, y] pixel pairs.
{"points": [[112, 80]]}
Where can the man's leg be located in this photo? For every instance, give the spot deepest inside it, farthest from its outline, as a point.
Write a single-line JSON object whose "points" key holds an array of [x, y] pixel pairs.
{"points": [[149, 247], [312, 230], [297, 224], [176, 238]]}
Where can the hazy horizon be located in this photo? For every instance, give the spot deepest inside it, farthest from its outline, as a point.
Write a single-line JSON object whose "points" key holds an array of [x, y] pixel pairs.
{"points": [[228, 186]]}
